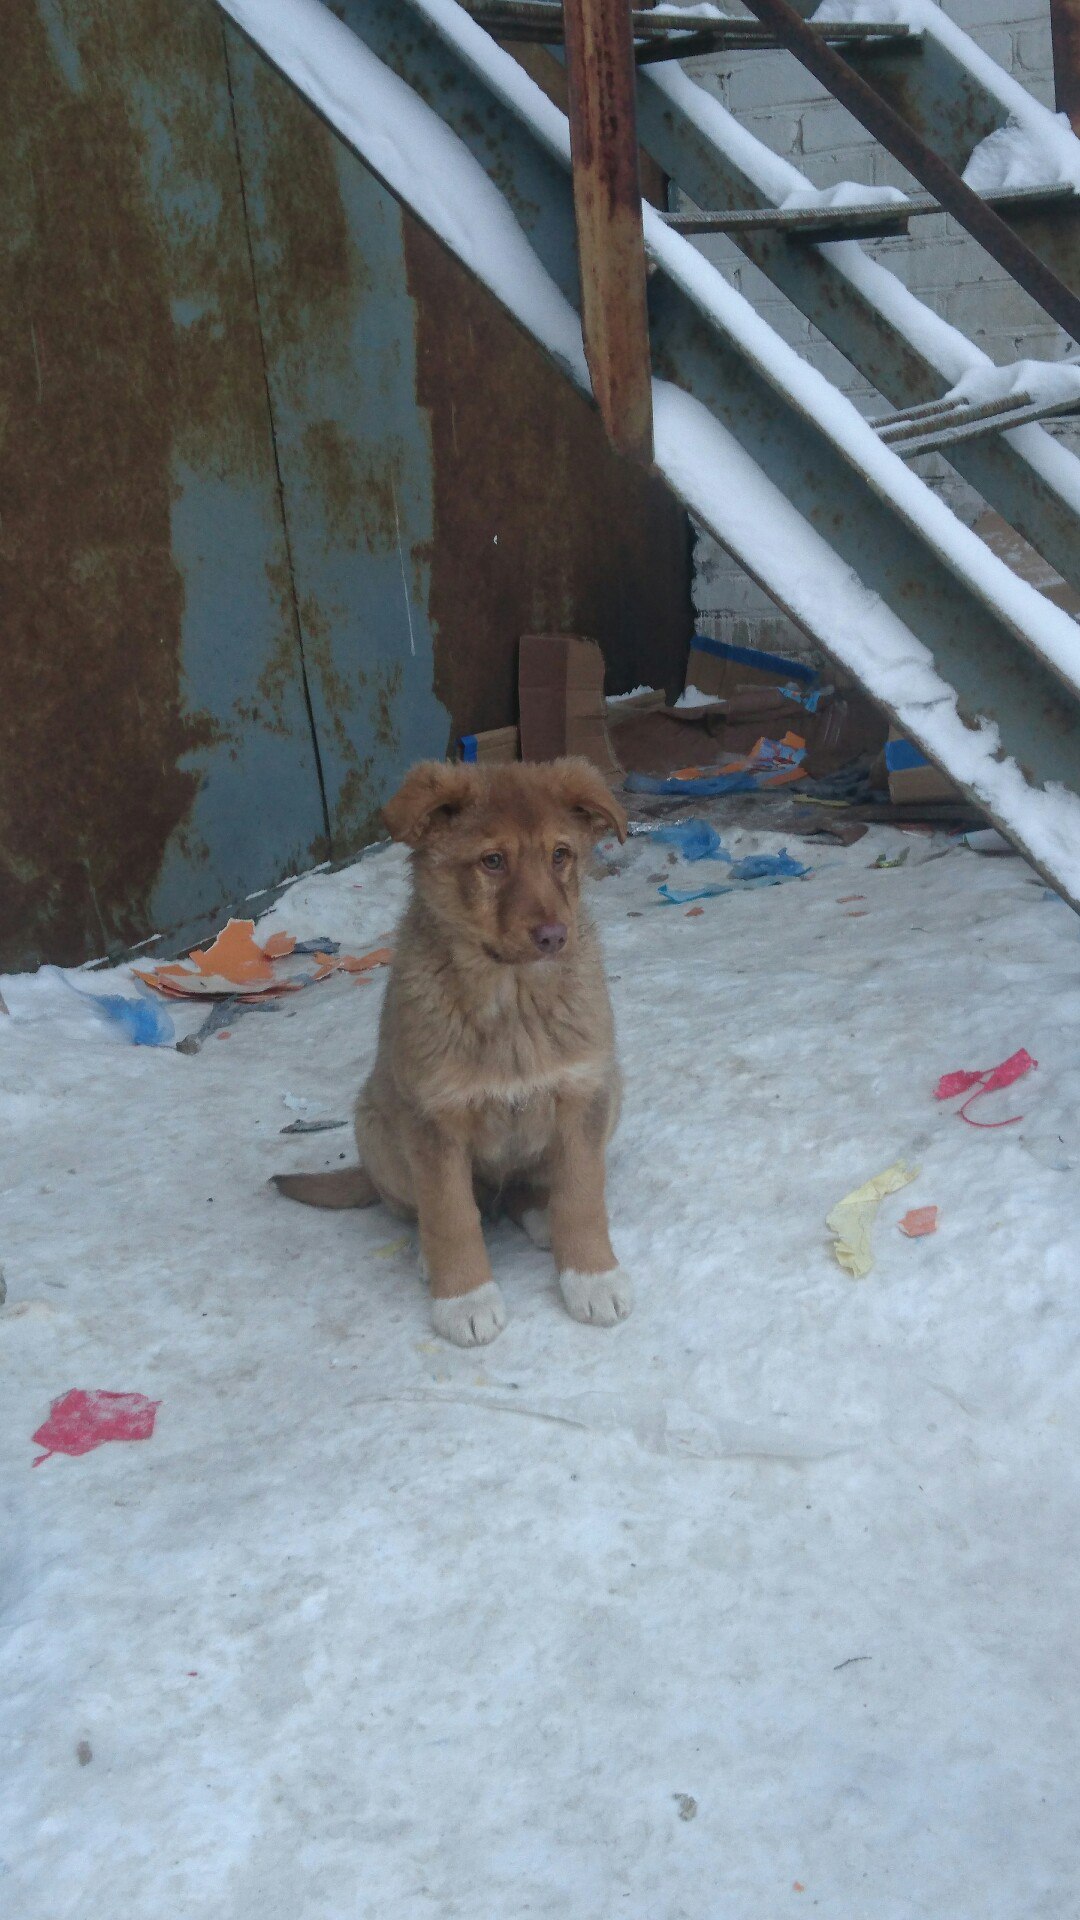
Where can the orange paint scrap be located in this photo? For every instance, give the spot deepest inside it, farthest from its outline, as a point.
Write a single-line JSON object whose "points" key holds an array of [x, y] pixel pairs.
{"points": [[361, 963], [235, 965], [919, 1221], [234, 955]]}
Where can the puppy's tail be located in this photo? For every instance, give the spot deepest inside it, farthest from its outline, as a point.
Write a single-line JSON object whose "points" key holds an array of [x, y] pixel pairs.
{"points": [[345, 1187]]}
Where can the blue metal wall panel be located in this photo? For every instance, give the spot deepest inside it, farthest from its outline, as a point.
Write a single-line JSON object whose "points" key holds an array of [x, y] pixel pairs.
{"points": [[354, 447]]}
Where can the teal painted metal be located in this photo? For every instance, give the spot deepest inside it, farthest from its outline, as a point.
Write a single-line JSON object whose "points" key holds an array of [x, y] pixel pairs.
{"points": [[241, 663], [353, 447]]}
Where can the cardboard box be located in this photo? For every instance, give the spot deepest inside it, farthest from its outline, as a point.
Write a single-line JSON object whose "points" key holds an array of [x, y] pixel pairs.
{"points": [[497, 746], [561, 700], [728, 672], [912, 777], [757, 693]]}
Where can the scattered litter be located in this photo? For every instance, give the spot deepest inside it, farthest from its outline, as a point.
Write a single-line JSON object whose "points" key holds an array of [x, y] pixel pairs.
{"points": [[693, 913], [301, 1104], [852, 1218], [220, 1018], [391, 1248], [768, 866], [686, 1805], [79, 1421], [692, 839], [920, 1221], [756, 870], [236, 966], [314, 1126], [772, 763], [884, 861], [52, 994], [988, 1081], [987, 840], [145, 1024], [846, 898]]}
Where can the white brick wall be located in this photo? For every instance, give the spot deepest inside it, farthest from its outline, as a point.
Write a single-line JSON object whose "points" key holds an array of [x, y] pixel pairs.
{"points": [[774, 97]]}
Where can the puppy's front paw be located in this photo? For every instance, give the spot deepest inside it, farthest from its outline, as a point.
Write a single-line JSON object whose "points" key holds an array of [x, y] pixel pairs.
{"points": [[600, 1298], [470, 1319]]}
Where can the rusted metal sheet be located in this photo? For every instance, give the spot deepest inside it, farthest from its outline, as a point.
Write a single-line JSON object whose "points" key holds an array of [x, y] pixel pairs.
{"points": [[1065, 38], [601, 87], [536, 522], [914, 152], [156, 758], [539, 525]]}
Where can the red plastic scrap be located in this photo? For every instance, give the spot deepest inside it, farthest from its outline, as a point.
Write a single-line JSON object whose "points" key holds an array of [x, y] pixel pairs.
{"points": [[990, 1080], [79, 1421], [920, 1221]]}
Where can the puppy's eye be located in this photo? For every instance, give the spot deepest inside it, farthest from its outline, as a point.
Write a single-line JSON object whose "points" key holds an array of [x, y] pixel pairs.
{"points": [[560, 856], [492, 862]]}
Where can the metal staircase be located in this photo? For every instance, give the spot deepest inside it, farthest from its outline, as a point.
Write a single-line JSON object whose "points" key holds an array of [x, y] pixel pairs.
{"points": [[815, 502]]}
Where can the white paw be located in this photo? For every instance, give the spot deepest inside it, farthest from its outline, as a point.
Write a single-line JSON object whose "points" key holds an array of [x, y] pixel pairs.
{"points": [[537, 1224], [602, 1298], [470, 1319]]}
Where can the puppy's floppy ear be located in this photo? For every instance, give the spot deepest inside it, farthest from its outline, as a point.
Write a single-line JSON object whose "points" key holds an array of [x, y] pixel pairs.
{"points": [[429, 797], [583, 790]]}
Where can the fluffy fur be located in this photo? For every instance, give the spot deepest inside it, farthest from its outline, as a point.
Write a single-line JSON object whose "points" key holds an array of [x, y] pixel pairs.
{"points": [[495, 1086]]}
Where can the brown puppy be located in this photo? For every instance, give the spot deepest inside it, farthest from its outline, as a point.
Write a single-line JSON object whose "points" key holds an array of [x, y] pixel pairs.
{"points": [[495, 1087]]}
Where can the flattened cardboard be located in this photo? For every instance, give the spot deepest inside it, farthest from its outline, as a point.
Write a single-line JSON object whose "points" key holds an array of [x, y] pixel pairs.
{"points": [[561, 700]]}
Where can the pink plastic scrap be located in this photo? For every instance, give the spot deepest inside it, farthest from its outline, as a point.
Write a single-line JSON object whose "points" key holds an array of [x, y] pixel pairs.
{"points": [[989, 1081], [79, 1421]]}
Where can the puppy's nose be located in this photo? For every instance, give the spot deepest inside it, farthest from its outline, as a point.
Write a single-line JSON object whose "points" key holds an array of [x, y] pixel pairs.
{"points": [[550, 938]]}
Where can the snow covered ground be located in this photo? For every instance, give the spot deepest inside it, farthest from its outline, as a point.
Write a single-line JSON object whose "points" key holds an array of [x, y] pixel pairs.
{"points": [[763, 1602]]}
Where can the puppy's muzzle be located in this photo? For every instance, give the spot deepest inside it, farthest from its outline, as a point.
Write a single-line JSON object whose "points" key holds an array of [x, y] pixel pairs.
{"points": [[549, 939]]}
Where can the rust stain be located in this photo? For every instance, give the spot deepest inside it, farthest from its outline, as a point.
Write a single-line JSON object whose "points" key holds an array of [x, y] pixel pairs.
{"points": [[387, 688], [317, 271], [100, 389], [356, 486], [539, 527]]}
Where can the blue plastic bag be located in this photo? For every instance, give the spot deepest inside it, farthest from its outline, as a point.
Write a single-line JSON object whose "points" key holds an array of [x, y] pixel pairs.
{"points": [[145, 1023], [693, 839], [774, 866], [756, 870]]}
